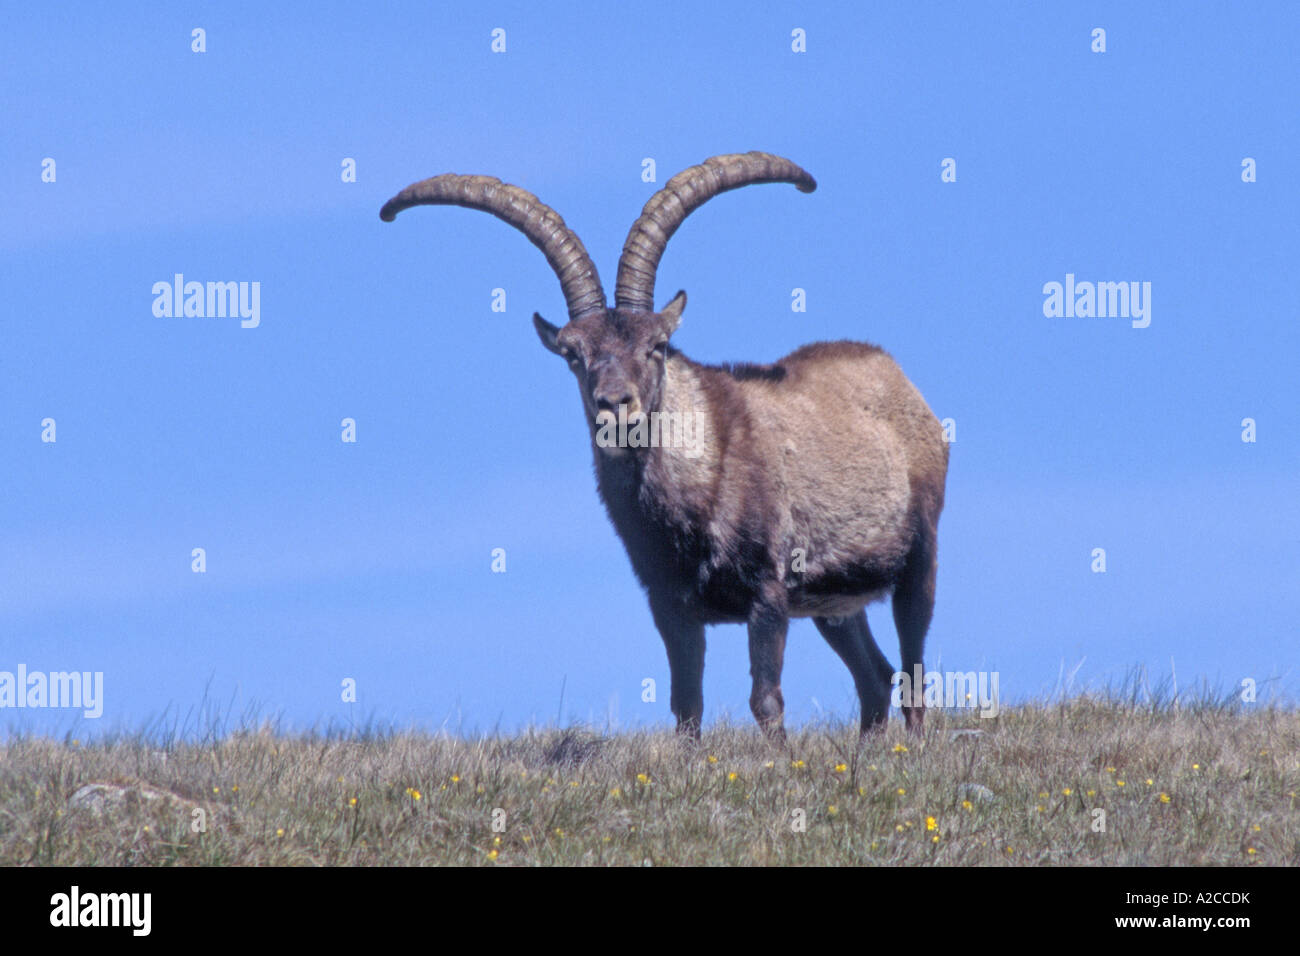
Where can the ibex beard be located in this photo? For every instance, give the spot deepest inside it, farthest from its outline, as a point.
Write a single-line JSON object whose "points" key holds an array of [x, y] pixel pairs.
{"points": [[814, 488], [656, 429]]}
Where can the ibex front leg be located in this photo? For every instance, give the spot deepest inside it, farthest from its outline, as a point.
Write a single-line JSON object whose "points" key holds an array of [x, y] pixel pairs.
{"points": [[684, 640], [768, 622]]}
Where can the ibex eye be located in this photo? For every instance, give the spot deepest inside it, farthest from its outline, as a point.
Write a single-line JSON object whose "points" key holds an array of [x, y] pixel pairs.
{"points": [[660, 349]]}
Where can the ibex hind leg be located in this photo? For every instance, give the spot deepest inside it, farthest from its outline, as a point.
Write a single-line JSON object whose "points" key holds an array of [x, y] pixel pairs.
{"points": [[850, 638], [913, 608]]}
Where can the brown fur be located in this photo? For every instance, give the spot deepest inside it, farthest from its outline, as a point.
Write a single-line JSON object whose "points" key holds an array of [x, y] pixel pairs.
{"points": [[817, 489], [816, 485]]}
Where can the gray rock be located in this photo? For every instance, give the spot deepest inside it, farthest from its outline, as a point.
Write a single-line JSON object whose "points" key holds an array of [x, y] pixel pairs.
{"points": [[98, 799], [975, 793], [573, 748]]}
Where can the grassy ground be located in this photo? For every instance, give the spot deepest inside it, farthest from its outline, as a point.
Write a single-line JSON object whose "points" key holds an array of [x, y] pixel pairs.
{"points": [[1205, 785]]}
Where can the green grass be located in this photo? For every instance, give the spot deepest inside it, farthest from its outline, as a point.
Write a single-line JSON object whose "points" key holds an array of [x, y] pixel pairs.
{"points": [[1205, 784]]}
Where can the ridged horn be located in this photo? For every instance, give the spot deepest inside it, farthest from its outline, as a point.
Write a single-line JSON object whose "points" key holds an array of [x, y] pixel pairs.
{"points": [[682, 195], [539, 222]]}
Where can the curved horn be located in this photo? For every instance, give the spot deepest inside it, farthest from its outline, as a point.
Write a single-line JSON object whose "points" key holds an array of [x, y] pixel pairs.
{"points": [[539, 222], [681, 196]]}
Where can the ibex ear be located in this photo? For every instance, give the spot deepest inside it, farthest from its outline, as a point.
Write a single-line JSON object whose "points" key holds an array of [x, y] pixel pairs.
{"points": [[672, 312], [547, 333]]}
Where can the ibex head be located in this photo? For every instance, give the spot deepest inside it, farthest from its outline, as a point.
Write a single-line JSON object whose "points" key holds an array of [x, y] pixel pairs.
{"points": [[618, 355]]}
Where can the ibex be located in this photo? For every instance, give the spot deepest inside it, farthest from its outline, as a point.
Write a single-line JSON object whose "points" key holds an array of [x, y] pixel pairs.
{"points": [[815, 486]]}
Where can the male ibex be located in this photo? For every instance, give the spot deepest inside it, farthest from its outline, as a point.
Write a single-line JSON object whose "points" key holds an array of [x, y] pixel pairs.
{"points": [[815, 486]]}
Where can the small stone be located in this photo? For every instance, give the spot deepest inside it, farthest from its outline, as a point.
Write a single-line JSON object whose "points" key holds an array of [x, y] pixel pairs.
{"points": [[975, 793], [98, 799]]}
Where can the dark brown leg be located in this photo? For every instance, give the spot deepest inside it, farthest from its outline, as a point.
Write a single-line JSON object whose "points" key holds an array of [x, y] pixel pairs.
{"points": [[913, 608], [851, 639], [684, 640], [768, 623]]}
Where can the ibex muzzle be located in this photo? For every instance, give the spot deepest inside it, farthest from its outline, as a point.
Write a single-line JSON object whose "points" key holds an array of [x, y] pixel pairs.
{"points": [[812, 486]]}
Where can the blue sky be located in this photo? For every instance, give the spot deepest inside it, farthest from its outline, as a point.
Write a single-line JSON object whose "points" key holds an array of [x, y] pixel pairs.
{"points": [[372, 560]]}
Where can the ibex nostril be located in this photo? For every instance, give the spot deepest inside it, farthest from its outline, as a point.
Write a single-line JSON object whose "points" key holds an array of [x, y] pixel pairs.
{"points": [[610, 401]]}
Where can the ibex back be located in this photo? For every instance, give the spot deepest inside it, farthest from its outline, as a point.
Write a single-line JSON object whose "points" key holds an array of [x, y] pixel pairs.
{"points": [[745, 493]]}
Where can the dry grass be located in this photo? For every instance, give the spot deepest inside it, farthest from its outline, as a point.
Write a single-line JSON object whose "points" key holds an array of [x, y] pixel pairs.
{"points": [[1205, 785]]}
